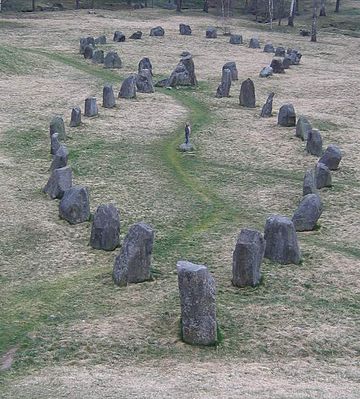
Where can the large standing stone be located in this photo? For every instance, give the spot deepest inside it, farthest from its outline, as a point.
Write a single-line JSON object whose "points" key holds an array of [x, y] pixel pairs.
{"points": [[247, 258], [232, 66], [332, 157], [303, 127], [144, 82], [91, 108], [60, 158], [247, 94], [118, 36], [314, 143], [54, 143], [236, 39], [74, 206], [112, 60], [309, 185], [105, 228], [100, 40], [266, 111], [185, 29], [224, 88], [59, 181], [281, 240], [136, 35], [157, 31], [269, 48], [287, 116], [184, 73], [277, 65], [108, 97], [198, 304], [75, 117], [280, 52], [88, 52], [132, 265], [145, 63], [211, 33], [128, 87], [322, 176], [308, 213], [57, 125], [266, 72], [254, 43], [98, 57]]}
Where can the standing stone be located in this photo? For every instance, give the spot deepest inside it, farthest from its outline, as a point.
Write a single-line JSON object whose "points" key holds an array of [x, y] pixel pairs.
{"points": [[85, 41], [112, 60], [322, 176], [232, 66], [74, 206], [128, 87], [98, 57], [314, 143], [247, 258], [247, 94], [287, 116], [286, 62], [295, 56], [59, 181], [269, 48], [266, 111], [144, 82], [91, 108], [118, 36], [224, 88], [308, 213], [54, 143], [145, 63], [183, 74], [280, 52], [60, 158], [157, 31], [100, 40], [105, 228], [108, 97], [57, 125], [277, 65], [136, 35], [185, 29], [236, 39], [332, 157], [211, 33], [266, 72], [132, 265], [281, 240], [75, 117], [198, 304], [90, 40], [309, 185], [254, 43], [88, 52], [303, 127]]}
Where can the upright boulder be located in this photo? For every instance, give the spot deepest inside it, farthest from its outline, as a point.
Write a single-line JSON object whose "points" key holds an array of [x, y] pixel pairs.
{"points": [[232, 67], [309, 185], [303, 127], [332, 157], [281, 240], [185, 29], [157, 31], [314, 143], [128, 87], [254, 43], [105, 228], [211, 33], [108, 97], [60, 158], [57, 125], [236, 39], [224, 88], [75, 205], [136, 35], [112, 60], [75, 117], [118, 36], [133, 263], [277, 65], [269, 48], [247, 258], [287, 116], [145, 63], [308, 213], [322, 176], [266, 111], [91, 108], [54, 143], [184, 73], [59, 182], [198, 304], [247, 94], [144, 82]]}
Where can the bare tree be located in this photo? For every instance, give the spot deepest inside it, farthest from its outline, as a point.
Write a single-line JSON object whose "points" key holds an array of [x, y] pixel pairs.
{"points": [[271, 13], [291, 13], [337, 6], [314, 22], [322, 9]]}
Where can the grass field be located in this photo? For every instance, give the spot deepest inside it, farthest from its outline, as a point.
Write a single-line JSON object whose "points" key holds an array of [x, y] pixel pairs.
{"points": [[65, 329]]}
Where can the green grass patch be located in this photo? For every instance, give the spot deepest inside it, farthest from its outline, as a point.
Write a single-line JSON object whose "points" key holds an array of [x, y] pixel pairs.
{"points": [[15, 61]]}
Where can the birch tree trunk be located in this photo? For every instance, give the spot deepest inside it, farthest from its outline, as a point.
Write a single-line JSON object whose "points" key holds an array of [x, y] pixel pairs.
{"points": [[291, 13], [337, 6], [322, 9], [314, 22]]}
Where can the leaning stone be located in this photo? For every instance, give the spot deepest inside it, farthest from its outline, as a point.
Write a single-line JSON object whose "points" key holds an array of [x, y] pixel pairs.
{"points": [[287, 116], [88, 52], [314, 143], [54, 143], [266, 72], [185, 29], [247, 94], [224, 88], [145, 63], [269, 48], [322, 176], [157, 31], [186, 147], [91, 108], [98, 57], [57, 125], [277, 65], [332, 157], [254, 43], [100, 40], [108, 97], [59, 181], [211, 33], [198, 304], [105, 228], [247, 258], [75, 117], [309, 185], [74, 206], [128, 87], [303, 127], [266, 111], [136, 35], [281, 240], [112, 60], [308, 213], [236, 39], [280, 52], [232, 66], [118, 36], [144, 82], [60, 158], [133, 263]]}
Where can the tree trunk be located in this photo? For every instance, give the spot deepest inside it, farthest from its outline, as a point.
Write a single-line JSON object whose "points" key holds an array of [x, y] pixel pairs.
{"points": [[322, 9], [206, 6], [178, 5], [291, 13], [297, 7], [337, 6], [145, 3], [314, 22], [271, 12], [33, 4]]}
